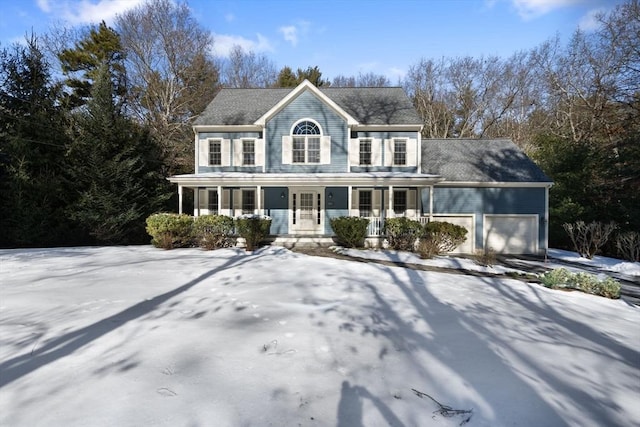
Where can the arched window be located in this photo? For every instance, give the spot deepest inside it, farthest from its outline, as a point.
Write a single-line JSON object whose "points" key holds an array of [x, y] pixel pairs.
{"points": [[306, 142]]}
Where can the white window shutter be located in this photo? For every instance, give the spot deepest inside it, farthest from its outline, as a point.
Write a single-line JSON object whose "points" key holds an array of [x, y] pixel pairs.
{"points": [[259, 147], [225, 152], [237, 202], [411, 203], [355, 203], [388, 152], [287, 150], [376, 201], [412, 152], [203, 152], [325, 150], [225, 209], [354, 152], [376, 152], [202, 201], [237, 152]]}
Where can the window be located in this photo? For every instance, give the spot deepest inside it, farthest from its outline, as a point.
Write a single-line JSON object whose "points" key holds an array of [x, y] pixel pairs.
{"points": [[364, 204], [306, 143], [400, 152], [212, 204], [248, 201], [365, 152], [248, 152], [215, 153], [400, 202]]}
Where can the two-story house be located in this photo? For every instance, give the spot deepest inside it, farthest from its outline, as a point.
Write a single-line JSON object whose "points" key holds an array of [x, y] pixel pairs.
{"points": [[308, 154]]}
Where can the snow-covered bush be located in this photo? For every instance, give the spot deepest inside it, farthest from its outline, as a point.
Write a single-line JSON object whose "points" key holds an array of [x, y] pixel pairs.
{"points": [[254, 229], [402, 233], [440, 237], [587, 239], [628, 245], [170, 230], [351, 231], [562, 278], [214, 231]]}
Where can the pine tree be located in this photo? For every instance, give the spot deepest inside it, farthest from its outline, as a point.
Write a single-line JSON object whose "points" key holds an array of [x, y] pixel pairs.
{"points": [[116, 166], [32, 154]]}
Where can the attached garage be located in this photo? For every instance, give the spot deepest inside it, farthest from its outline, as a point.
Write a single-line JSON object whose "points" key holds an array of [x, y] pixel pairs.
{"points": [[511, 234], [466, 221]]}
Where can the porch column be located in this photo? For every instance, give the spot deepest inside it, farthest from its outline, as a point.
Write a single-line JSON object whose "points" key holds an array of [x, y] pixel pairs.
{"points": [[179, 198], [390, 214], [259, 199], [219, 195], [349, 201], [196, 201]]}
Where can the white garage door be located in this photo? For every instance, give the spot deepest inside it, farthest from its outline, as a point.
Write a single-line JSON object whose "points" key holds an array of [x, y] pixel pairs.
{"points": [[466, 221], [511, 234]]}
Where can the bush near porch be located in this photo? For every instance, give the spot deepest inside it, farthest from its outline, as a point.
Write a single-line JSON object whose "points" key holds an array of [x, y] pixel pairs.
{"points": [[351, 231]]}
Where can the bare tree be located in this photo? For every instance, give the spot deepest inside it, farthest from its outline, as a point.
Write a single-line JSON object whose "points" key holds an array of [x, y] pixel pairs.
{"points": [[172, 75], [362, 80], [245, 69]]}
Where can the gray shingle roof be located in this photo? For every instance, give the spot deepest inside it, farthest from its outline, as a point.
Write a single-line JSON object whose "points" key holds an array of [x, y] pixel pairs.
{"points": [[479, 160], [372, 106]]}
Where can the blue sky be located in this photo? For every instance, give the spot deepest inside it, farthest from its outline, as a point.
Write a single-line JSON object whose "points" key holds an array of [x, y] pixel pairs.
{"points": [[342, 36]]}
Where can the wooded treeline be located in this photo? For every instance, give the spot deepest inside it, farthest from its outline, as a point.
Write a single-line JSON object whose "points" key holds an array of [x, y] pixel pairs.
{"points": [[92, 121]]}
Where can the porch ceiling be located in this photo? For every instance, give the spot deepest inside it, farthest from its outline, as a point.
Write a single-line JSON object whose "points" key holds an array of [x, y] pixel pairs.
{"points": [[305, 179]]}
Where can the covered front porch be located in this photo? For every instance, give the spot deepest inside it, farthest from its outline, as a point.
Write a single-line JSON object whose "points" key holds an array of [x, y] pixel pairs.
{"points": [[303, 204]]}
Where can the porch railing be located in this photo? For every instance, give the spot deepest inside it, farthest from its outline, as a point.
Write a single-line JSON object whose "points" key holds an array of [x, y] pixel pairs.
{"points": [[376, 224]]}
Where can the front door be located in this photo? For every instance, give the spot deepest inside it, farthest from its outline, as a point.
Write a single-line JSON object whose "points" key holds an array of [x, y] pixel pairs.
{"points": [[306, 212]]}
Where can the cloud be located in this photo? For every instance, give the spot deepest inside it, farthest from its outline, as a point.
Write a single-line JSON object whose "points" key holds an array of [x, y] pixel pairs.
{"points": [[86, 11], [290, 34], [44, 5], [223, 43], [530, 9], [589, 21], [293, 33]]}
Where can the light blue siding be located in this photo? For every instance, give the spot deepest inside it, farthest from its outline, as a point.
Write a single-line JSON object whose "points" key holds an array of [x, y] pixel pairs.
{"points": [[488, 201], [337, 205], [307, 105], [276, 207]]}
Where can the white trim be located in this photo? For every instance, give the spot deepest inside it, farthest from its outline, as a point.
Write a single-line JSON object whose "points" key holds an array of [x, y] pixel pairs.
{"points": [[387, 128], [227, 128], [297, 91], [445, 183], [371, 179]]}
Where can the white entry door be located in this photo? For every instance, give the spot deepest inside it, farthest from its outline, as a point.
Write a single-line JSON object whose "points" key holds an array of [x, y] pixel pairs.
{"points": [[306, 212]]}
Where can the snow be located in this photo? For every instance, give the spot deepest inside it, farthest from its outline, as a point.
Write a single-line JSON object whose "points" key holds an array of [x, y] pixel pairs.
{"points": [[132, 336], [603, 263]]}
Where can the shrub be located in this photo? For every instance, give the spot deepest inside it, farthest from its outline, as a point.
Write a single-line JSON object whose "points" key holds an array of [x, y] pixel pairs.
{"points": [[402, 233], [588, 283], [485, 257], [440, 237], [253, 228], [628, 245], [351, 231], [587, 239], [170, 230], [214, 231]]}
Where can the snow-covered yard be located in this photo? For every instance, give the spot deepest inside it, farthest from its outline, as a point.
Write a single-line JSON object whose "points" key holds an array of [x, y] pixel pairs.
{"points": [[137, 336]]}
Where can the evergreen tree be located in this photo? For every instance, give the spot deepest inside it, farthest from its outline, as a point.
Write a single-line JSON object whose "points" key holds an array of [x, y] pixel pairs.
{"points": [[81, 64], [116, 165], [32, 153], [287, 78]]}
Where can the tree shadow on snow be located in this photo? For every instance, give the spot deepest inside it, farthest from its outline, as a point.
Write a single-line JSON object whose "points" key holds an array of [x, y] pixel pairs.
{"points": [[27, 362]]}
